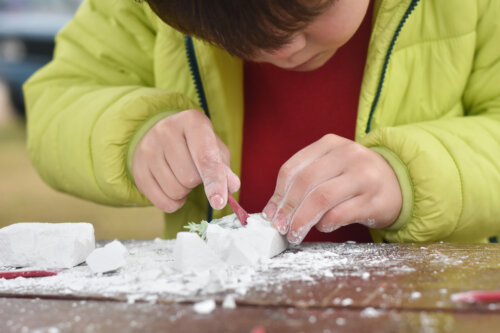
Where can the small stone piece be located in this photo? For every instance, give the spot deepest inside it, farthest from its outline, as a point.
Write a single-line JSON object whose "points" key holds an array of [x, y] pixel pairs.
{"points": [[204, 307], [108, 258], [48, 245], [192, 254]]}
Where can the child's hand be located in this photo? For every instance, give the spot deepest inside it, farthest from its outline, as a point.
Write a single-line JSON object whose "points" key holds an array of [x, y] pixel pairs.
{"points": [[176, 155], [332, 183]]}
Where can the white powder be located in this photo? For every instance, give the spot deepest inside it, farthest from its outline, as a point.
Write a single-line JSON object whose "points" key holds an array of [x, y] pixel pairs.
{"points": [[149, 273]]}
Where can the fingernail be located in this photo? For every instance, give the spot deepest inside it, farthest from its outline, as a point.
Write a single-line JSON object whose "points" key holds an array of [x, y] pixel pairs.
{"points": [[328, 229], [269, 211], [296, 237], [216, 201], [281, 223]]}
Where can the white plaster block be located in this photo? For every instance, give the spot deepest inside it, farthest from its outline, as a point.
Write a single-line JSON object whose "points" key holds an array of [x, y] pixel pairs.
{"points": [[192, 254], [48, 245], [108, 258], [247, 245], [234, 246], [242, 251]]}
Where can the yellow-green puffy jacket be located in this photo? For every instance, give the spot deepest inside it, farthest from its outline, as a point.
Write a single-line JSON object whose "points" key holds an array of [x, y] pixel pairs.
{"points": [[430, 104]]}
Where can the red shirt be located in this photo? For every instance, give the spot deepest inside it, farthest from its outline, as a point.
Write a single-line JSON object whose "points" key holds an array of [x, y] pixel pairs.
{"points": [[286, 111]]}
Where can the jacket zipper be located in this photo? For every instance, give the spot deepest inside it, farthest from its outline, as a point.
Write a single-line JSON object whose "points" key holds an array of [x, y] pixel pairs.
{"points": [[407, 14], [200, 91]]}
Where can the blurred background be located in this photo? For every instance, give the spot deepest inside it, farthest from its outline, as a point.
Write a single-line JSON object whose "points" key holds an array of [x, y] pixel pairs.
{"points": [[27, 31]]}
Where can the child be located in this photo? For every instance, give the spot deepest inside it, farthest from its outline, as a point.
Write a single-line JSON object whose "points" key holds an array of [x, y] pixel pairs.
{"points": [[132, 111]]}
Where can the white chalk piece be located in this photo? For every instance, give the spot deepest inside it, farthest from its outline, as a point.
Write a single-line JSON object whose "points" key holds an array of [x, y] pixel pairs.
{"points": [[48, 245], [192, 254], [204, 307], [108, 258]]}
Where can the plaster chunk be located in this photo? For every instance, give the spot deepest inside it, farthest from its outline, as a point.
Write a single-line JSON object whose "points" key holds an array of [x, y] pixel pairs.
{"points": [[192, 254], [228, 243], [108, 258], [229, 302], [47, 245], [247, 245], [205, 307]]}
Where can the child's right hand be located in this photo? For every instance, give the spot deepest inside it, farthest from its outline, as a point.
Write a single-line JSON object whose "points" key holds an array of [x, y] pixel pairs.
{"points": [[179, 153]]}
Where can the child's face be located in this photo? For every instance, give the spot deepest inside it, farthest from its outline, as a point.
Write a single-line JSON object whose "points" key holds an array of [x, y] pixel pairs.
{"points": [[318, 42]]}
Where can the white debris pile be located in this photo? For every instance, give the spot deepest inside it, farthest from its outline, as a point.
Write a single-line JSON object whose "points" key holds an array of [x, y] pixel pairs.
{"points": [[47, 245], [233, 246], [108, 258], [150, 274]]}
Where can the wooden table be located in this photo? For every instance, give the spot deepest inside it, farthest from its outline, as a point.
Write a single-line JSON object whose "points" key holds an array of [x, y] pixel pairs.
{"points": [[415, 299]]}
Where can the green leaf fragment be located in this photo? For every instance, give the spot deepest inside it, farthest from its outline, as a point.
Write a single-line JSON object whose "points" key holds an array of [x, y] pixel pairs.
{"points": [[227, 222]]}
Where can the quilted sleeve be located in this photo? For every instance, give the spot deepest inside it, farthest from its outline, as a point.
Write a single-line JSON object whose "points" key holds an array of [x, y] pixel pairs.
{"points": [[449, 169], [86, 108]]}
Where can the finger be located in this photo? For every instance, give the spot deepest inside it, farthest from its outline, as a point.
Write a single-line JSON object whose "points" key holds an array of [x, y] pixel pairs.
{"points": [[202, 144], [184, 169], [224, 151], [294, 165], [152, 190], [166, 179], [348, 212], [327, 167], [233, 181], [319, 201]]}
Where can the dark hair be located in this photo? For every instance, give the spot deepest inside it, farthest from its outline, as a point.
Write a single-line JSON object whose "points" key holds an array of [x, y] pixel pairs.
{"points": [[240, 27]]}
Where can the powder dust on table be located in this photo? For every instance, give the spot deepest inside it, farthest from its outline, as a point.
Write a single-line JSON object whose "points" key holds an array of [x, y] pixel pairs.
{"points": [[150, 275]]}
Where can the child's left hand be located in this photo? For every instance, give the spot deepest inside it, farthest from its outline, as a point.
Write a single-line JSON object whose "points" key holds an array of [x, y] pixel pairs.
{"points": [[331, 183]]}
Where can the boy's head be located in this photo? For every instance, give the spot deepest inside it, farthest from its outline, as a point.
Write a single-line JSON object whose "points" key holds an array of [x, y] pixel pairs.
{"points": [[293, 34]]}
